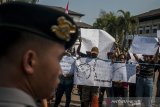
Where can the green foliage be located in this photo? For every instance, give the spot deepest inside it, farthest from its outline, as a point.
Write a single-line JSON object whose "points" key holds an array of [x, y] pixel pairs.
{"points": [[117, 25], [107, 22]]}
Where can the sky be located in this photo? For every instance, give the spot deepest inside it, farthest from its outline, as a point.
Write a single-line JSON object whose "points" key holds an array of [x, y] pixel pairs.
{"points": [[92, 8]]}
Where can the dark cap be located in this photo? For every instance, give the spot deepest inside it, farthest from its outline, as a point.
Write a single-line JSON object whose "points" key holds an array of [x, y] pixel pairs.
{"points": [[95, 50], [41, 20]]}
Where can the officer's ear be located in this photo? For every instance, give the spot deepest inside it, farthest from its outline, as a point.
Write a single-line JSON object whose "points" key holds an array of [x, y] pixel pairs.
{"points": [[29, 61]]}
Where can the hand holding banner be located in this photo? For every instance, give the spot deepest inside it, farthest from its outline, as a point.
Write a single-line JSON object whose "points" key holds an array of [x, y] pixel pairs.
{"points": [[98, 38], [144, 45]]}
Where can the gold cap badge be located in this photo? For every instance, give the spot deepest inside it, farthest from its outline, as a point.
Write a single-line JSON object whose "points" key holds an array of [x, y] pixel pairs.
{"points": [[63, 29]]}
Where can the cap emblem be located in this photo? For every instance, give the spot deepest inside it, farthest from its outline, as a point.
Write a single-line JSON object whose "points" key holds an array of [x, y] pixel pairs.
{"points": [[63, 29]]}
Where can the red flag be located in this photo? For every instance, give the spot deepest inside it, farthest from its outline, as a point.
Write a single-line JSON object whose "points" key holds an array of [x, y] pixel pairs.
{"points": [[67, 7]]}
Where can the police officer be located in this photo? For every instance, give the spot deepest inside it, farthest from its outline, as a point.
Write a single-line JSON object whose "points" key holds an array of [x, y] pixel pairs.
{"points": [[33, 39]]}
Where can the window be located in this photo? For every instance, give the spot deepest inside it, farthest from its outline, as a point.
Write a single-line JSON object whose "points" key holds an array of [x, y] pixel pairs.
{"points": [[140, 31], [154, 30], [147, 31]]}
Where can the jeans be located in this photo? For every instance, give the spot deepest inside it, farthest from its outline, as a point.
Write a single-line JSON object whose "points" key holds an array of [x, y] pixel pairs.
{"points": [[157, 98], [158, 88], [144, 89], [67, 88]]}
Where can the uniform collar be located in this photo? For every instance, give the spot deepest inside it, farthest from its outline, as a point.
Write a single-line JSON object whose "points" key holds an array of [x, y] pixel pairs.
{"points": [[16, 96]]}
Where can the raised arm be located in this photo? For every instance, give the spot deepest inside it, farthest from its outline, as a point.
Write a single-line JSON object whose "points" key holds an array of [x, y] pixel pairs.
{"points": [[79, 47], [136, 57], [155, 59]]}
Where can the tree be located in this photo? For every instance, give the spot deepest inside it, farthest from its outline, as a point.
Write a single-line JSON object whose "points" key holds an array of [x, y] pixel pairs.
{"points": [[107, 22], [117, 25], [127, 23]]}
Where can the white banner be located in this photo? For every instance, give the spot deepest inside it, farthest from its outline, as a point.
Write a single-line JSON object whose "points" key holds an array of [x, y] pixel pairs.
{"points": [[93, 72], [85, 73], [119, 72], [98, 38], [103, 72], [132, 79], [131, 72], [144, 45], [68, 65], [124, 72]]}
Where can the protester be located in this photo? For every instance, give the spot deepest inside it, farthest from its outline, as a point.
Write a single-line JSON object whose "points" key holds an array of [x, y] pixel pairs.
{"points": [[144, 85], [123, 59], [132, 84], [120, 89], [80, 54], [108, 90], [157, 68], [32, 44], [158, 81], [112, 57], [88, 92], [66, 83]]}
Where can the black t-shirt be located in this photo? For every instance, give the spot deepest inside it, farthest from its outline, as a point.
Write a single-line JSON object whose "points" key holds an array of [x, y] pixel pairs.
{"points": [[146, 69]]}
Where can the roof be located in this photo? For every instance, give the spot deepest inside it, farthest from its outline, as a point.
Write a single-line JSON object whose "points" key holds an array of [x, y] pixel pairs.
{"points": [[83, 25], [69, 12], [151, 13]]}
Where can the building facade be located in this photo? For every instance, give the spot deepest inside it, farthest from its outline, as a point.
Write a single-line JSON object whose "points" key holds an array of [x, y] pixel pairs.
{"points": [[149, 23], [76, 17]]}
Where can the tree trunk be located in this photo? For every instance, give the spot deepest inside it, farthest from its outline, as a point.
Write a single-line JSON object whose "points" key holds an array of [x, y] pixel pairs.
{"points": [[124, 42]]}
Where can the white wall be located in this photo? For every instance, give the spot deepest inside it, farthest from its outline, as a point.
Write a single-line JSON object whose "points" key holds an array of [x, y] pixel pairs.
{"points": [[76, 18]]}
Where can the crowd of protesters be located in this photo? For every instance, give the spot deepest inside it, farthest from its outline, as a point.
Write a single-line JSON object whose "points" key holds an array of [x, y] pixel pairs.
{"points": [[142, 88]]}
